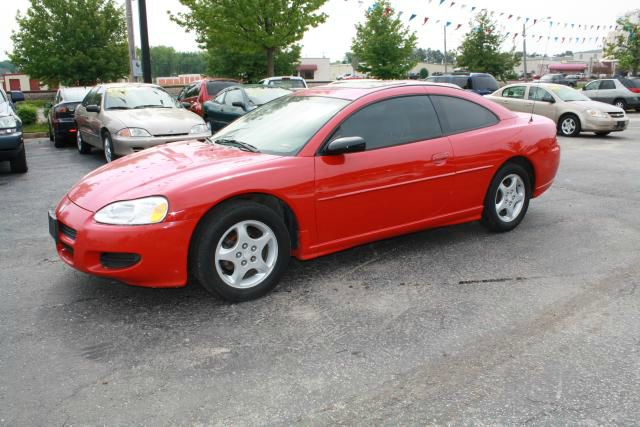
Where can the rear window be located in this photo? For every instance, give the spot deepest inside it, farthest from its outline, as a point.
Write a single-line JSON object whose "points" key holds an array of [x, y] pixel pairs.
{"points": [[74, 94], [628, 83], [462, 81], [287, 83], [484, 83], [459, 115], [213, 87]]}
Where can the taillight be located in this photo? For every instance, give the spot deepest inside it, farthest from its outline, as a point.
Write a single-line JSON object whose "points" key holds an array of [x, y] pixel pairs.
{"points": [[61, 109], [635, 89]]}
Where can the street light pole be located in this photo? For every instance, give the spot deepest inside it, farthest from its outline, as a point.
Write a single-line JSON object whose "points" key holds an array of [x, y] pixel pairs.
{"points": [[524, 52], [131, 40], [144, 41], [445, 48]]}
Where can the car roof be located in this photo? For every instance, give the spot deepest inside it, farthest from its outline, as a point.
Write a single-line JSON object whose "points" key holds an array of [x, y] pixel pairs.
{"points": [[126, 84], [284, 77], [353, 90]]}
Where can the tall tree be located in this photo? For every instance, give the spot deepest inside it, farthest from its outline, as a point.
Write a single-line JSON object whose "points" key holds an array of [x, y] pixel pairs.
{"points": [[71, 41], [383, 44], [480, 49], [626, 46], [250, 65], [249, 25]]}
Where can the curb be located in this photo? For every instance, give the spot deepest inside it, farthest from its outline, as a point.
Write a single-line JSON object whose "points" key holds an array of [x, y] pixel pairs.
{"points": [[35, 135]]}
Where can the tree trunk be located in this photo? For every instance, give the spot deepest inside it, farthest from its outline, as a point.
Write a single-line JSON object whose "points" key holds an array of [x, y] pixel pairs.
{"points": [[270, 64]]}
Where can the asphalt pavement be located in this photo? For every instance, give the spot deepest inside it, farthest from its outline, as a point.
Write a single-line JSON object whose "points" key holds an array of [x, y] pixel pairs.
{"points": [[451, 326]]}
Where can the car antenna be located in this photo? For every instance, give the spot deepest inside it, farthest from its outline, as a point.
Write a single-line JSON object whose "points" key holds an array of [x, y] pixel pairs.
{"points": [[544, 55]]}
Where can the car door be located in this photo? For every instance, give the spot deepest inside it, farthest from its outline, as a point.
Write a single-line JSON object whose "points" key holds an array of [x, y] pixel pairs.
{"points": [[230, 112], [94, 122], [213, 112], [81, 115], [400, 179], [477, 143], [542, 102], [591, 90], [607, 91], [513, 98]]}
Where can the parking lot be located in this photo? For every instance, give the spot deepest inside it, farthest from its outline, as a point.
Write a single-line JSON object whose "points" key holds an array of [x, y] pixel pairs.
{"points": [[447, 326]]}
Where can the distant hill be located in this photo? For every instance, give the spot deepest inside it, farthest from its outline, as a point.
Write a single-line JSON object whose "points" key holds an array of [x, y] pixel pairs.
{"points": [[7, 67]]}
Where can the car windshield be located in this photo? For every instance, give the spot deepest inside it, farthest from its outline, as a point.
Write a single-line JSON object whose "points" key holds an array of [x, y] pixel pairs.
{"points": [[74, 94], [284, 125], [567, 94], [287, 83], [261, 95], [130, 97]]}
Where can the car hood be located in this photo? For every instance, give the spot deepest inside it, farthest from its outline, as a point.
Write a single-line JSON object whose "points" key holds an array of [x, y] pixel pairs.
{"points": [[163, 170], [157, 121], [593, 105]]}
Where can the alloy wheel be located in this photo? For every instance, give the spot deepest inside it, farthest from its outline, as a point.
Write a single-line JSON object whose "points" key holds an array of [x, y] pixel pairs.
{"points": [[510, 197]]}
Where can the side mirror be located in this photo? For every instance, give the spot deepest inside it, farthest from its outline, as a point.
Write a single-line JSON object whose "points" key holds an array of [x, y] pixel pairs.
{"points": [[16, 96], [239, 104], [348, 144], [93, 108], [186, 105]]}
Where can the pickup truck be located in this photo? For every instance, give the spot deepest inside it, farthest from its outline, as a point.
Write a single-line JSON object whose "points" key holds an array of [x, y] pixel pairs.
{"points": [[560, 79]]}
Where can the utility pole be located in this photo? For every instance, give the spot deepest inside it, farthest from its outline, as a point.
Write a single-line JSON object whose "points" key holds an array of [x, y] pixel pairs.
{"points": [[144, 41], [131, 39], [445, 48], [524, 52]]}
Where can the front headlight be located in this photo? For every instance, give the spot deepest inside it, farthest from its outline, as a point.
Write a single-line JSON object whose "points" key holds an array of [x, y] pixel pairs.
{"points": [[596, 113], [203, 128], [136, 132], [150, 210], [8, 122]]}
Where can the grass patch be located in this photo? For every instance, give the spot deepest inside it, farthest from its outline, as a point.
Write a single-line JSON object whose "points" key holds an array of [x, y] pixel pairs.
{"points": [[36, 127], [38, 103]]}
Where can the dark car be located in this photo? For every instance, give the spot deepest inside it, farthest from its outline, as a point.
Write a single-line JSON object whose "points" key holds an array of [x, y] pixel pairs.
{"points": [[194, 95], [236, 101], [480, 83], [62, 124], [559, 79], [11, 142]]}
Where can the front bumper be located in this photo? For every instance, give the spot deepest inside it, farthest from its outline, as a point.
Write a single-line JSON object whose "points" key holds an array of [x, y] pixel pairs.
{"points": [[11, 145], [128, 145], [609, 124], [162, 248]]}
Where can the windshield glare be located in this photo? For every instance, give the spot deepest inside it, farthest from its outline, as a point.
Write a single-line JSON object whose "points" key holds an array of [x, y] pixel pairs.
{"points": [[138, 97], [567, 94], [262, 95], [283, 126]]}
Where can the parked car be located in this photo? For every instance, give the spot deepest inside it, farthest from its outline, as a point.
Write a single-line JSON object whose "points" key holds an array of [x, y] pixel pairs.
{"points": [[123, 118], [612, 91], [480, 83], [559, 79], [571, 110], [194, 95], [236, 101], [11, 142], [312, 173], [633, 85], [286, 82], [61, 120]]}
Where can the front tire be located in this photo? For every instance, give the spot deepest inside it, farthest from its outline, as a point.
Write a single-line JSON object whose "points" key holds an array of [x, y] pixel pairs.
{"points": [[507, 198], [107, 143], [240, 251], [83, 147], [569, 125], [620, 103], [19, 164]]}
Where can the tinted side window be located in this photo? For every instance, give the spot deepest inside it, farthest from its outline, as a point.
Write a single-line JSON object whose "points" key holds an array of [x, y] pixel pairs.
{"points": [[539, 94], [607, 84], [459, 115], [234, 95], [592, 86], [193, 90], [89, 98], [213, 87], [514, 92], [220, 98], [393, 122], [97, 98]]}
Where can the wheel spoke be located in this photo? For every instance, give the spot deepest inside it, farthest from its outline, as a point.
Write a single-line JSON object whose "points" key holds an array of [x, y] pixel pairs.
{"points": [[262, 241], [260, 266], [500, 206], [227, 255], [238, 274], [243, 234]]}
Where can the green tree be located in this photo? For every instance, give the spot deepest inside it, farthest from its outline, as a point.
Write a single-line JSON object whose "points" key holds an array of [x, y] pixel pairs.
{"points": [[383, 44], [435, 56], [7, 67], [250, 65], [268, 26], [424, 73], [626, 46], [73, 42], [480, 49], [348, 58]]}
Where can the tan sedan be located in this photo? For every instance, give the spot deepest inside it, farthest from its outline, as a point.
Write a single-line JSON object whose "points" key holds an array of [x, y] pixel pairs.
{"points": [[122, 118], [570, 109]]}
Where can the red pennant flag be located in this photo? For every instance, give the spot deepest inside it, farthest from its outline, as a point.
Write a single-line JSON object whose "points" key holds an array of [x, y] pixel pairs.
{"points": [[539, 38], [510, 16], [452, 3], [458, 26], [515, 35], [386, 11], [534, 21], [426, 18]]}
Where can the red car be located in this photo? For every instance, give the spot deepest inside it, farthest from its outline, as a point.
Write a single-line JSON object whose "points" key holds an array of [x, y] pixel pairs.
{"points": [[194, 95], [312, 173]]}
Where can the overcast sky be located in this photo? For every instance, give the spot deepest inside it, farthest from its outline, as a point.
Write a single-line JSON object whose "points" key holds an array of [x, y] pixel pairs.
{"points": [[333, 38]]}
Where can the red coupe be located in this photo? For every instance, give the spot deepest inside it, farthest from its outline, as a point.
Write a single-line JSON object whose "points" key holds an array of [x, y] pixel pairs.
{"points": [[316, 172]]}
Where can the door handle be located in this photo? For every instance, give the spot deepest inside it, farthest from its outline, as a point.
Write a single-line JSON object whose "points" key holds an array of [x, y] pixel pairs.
{"points": [[440, 158]]}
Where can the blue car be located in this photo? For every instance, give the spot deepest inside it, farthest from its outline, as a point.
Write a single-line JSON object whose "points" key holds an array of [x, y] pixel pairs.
{"points": [[480, 83], [11, 142]]}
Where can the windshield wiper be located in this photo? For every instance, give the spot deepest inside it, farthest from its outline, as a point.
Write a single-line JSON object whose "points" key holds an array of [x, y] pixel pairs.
{"points": [[238, 144], [119, 108], [151, 106]]}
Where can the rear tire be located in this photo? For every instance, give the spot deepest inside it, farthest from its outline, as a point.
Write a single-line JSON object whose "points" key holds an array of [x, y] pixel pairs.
{"points": [[58, 141], [602, 133], [620, 103], [507, 198], [19, 164], [569, 125], [232, 239], [50, 133]]}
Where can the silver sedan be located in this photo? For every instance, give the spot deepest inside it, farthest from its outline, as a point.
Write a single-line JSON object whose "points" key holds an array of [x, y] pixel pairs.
{"points": [[123, 118]]}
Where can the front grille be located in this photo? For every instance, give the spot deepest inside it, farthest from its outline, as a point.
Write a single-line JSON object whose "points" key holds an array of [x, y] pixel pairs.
{"points": [[171, 134], [67, 231], [118, 259], [617, 115]]}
